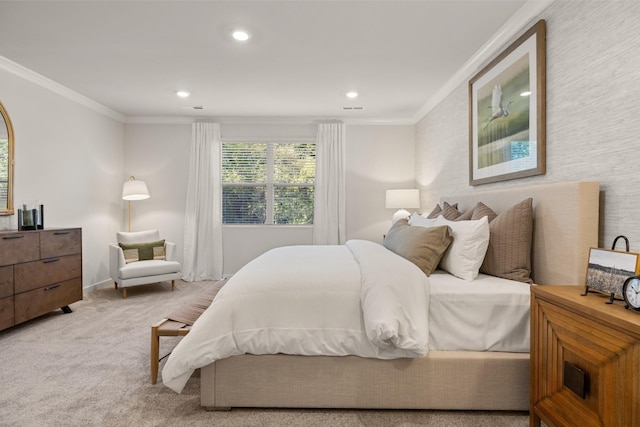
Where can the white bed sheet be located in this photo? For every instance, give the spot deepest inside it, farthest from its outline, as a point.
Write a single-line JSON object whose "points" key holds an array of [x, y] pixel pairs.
{"points": [[486, 314]]}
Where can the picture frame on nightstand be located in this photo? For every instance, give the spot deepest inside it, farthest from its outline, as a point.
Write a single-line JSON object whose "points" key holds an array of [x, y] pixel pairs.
{"points": [[607, 271]]}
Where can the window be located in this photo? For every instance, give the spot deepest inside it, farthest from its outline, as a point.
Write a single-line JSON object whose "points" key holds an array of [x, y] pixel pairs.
{"points": [[268, 182]]}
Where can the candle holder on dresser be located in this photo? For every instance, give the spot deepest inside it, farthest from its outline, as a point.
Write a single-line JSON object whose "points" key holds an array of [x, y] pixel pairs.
{"points": [[31, 217]]}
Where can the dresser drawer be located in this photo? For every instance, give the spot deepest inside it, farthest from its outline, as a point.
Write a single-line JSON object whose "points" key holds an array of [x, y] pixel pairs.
{"points": [[36, 274], [41, 301], [19, 247], [6, 281], [55, 243], [6, 313]]}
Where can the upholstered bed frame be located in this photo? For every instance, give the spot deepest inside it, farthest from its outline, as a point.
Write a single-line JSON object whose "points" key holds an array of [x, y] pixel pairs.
{"points": [[565, 226]]}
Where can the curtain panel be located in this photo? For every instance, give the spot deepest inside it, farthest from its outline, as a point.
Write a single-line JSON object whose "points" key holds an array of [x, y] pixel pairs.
{"points": [[203, 258], [329, 221]]}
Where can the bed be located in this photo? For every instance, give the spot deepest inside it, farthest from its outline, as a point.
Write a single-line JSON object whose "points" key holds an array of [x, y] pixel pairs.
{"points": [[495, 377]]}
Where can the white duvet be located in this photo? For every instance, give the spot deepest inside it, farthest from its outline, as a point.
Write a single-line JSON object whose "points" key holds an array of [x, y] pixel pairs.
{"points": [[353, 299]]}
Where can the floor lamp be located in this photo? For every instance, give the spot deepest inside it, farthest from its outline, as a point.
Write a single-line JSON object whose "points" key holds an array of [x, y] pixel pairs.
{"points": [[134, 190]]}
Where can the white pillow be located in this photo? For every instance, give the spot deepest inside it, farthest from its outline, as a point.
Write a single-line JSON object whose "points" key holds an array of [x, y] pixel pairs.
{"points": [[465, 254], [418, 220]]}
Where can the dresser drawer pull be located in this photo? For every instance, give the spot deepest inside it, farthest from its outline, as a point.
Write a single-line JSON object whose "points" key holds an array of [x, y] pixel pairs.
{"points": [[49, 288], [20, 236], [47, 261], [59, 233]]}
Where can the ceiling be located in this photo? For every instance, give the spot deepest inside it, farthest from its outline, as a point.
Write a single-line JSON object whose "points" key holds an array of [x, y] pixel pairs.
{"points": [[303, 56]]}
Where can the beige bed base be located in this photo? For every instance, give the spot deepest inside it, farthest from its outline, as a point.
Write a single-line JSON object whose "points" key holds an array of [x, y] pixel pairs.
{"points": [[565, 226]]}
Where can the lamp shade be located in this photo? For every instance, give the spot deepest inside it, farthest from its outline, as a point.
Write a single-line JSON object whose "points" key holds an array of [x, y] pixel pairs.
{"points": [[135, 190], [402, 199]]}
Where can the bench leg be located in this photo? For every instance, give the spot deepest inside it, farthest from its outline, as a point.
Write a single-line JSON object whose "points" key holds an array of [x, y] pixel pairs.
{"points": [[124, 292], [155, 354], [173, 284]]}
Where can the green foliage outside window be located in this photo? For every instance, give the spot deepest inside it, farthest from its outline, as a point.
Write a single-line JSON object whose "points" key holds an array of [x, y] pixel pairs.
{"points": [[268, 183]]}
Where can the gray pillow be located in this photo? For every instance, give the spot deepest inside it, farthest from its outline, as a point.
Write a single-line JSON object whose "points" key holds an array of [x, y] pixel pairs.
{"points": [[423, 246]]}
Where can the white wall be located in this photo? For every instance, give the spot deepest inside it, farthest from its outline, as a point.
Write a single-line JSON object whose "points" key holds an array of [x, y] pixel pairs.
{"points": [[69, 157], [378, 157], [593, 116]]}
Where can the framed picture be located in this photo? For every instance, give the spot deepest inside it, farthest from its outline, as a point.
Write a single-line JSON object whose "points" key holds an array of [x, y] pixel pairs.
{"points": [[507, 112], [608, 269]]}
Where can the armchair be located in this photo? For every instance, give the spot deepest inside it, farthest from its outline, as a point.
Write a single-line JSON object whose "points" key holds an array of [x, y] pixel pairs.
{"points": [[141, 272]]}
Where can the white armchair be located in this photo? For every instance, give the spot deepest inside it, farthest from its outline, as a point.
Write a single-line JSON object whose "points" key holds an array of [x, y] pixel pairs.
{"points": [[146, 271]]}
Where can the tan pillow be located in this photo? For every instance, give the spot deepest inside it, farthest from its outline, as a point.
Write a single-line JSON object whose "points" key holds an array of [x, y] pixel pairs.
{"points": [[421, 245], [509, 252]]}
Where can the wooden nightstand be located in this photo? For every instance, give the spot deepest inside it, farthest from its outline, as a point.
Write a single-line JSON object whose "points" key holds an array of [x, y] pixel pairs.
{"points": [[585, 359]]}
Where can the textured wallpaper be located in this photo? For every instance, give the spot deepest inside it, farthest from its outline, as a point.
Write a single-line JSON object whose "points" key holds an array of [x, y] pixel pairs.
{"points": [[593, 116]]}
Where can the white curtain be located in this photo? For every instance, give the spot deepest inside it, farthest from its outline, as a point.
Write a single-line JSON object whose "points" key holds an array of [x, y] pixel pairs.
{"points": [[329, 214], [203, 217]]}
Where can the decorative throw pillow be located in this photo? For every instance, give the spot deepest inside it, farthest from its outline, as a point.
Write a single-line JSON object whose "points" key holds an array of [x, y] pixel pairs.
{"points": [[481, 210], [448, 211], [466, 253], [143, 251], [465, 216], [435, 212], [422, 246], [509, 251]]}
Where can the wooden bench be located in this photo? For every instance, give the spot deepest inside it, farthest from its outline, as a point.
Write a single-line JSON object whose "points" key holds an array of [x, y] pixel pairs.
{"points": [[165, 328], [178, 323]]}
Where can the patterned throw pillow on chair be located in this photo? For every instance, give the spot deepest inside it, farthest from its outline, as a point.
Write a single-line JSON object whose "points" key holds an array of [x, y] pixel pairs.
{"points": [[143, 251]]}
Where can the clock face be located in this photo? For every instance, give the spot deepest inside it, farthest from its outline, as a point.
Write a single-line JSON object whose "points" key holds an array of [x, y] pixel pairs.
{"points": [[631, 292]]}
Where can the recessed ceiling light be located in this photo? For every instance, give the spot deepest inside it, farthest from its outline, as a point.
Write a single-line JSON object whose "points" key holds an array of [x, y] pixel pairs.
{"points": [[241, 35], [352, 94], [183, 93]]}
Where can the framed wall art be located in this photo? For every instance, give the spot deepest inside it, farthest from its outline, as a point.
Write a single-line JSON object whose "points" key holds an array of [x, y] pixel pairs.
{"points": [[507, 112], [608, 269]]}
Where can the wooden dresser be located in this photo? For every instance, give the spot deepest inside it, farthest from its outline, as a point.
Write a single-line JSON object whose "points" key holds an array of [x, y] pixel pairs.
{"points": [[585, 359], [40, 271]]}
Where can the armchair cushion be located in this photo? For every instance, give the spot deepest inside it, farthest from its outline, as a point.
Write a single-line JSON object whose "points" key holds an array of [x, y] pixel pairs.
{"points": [[143, 251], [149, 268]]}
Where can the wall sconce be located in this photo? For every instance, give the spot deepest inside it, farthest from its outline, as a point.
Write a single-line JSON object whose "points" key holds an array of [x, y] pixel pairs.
{"points": [[134, 190], [402, 200]]}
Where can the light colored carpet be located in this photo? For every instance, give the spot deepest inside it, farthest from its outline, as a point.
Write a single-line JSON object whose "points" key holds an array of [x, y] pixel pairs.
{"points": [[91, 368]]}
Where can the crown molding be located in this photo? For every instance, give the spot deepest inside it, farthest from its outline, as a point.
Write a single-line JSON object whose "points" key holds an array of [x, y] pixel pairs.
{"points": [[523, 17], [265, 120], [40, 80]]}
